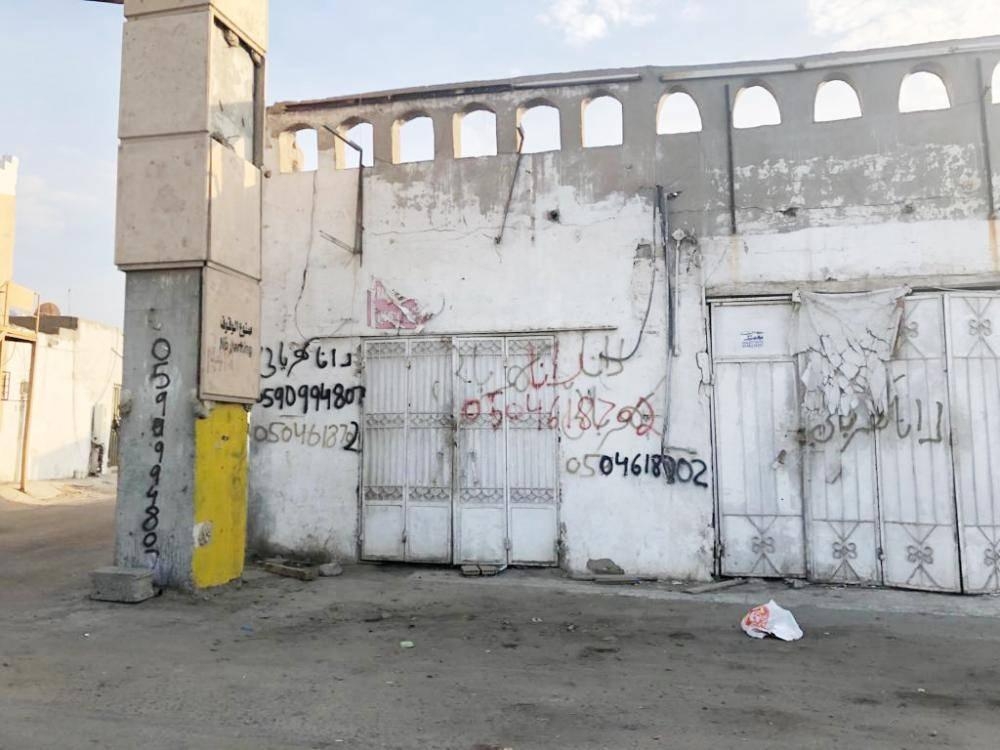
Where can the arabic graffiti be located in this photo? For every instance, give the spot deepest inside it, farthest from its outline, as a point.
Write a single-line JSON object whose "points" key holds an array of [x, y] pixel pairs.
{"points": [[928, 430], [318, 356], [576, 402]]}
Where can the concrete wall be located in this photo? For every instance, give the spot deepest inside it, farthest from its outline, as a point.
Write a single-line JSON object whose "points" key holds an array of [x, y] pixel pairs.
{"points": [[76, 371], [847, 204]]}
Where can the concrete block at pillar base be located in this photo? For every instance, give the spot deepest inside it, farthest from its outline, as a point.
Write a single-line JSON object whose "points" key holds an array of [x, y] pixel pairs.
{"points": [[127, 585], [249, 17]]}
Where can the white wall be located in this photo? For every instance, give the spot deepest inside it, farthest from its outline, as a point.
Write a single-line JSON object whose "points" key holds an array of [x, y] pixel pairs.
{"points": [[885, 199], [76, 371]]}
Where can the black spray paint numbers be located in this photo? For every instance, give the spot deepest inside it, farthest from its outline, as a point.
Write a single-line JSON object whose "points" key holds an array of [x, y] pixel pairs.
{"points": [[679, 470], [310, 436], [315, 397], [160, 379]]}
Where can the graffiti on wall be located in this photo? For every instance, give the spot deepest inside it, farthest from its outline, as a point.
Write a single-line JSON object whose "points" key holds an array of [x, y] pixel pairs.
{"points": [[576, 402], [672, 470], [389, 310], [289, 430], [319, 396], [288, 355], [160, 379], [915, 420]]}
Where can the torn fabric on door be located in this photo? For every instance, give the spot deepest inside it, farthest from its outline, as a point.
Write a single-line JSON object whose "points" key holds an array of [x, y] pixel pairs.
{"points": [[846, 341]]}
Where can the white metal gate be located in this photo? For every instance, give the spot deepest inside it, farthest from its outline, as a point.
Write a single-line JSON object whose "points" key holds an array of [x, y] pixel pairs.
{"points": [[879, 498], [974, 365], [407, 456], [916, 493], [473, 414], [757, 453]]}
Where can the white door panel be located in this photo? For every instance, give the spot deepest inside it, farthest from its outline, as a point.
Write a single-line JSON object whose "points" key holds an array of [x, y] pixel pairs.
{"points": [[840, 498], [481, 455], [407, 454], [916, 493], [532, 452], [974, 349], [756, 413]]}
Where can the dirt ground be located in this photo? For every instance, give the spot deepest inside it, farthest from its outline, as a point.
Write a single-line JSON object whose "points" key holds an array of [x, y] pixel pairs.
{"points": [[525, 660]]}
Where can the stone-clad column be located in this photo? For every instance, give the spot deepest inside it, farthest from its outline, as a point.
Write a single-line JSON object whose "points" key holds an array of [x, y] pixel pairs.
{"points": [[188, 238]]}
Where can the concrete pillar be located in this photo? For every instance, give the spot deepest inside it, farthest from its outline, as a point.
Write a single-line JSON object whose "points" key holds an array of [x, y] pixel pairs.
{"points": [[188, 237]]}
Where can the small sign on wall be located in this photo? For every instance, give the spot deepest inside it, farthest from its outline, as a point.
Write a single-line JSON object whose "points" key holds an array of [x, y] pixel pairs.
{"points": [[230, 337], [751, 339]]}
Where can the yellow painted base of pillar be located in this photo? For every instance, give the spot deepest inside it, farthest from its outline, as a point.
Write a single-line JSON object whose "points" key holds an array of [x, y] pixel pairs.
{"points": [[220, 495]]}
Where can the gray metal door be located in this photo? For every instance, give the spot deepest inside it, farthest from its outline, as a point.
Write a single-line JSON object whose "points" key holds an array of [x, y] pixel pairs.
{"points": [[756, 432], [974, 359], [407, 451]]}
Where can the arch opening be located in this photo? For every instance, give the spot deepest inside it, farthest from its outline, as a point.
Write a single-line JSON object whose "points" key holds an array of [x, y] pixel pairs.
{"points": [[923, 91], [413, 140], [540, 126], [836, 100], [361, 133], [298, 150], [755, 107], [475, 133], [676, 113], [602, 123]]}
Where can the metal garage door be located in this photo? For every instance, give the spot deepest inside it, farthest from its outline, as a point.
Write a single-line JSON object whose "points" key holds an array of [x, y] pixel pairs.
{"points": [[473, 414]]}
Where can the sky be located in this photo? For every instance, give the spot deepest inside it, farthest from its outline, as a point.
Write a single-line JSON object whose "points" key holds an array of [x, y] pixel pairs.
{"points": [[59, 77]]}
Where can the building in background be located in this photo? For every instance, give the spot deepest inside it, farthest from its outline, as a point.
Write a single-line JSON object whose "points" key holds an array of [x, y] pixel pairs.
{"points": [[65, 424]]}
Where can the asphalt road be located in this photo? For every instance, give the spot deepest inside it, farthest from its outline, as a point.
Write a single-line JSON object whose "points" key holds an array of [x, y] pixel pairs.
{"points": [[522, 661]]}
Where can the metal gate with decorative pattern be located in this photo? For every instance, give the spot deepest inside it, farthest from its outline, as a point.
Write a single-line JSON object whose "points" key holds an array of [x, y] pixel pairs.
{"points": [[911, 500], [460, 451]]}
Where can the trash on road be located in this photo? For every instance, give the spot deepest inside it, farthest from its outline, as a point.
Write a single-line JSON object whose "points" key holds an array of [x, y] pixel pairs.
{"points": [[330, 569], [291, 569], [406, 644], [771, 619]]}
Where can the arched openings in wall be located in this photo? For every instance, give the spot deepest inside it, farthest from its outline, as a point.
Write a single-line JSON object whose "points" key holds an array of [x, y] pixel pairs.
{"points": [[412, 139], [677, 112], [475, 132], [755, 107], [923, 91], [995, 84], [298, 150], [602, 122], [836, 99], [360, 133], [539, 127]]}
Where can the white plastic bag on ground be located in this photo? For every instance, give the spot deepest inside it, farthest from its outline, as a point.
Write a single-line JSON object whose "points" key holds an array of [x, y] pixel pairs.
{"points": [[771, 619]]}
